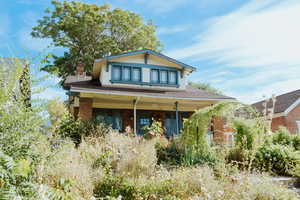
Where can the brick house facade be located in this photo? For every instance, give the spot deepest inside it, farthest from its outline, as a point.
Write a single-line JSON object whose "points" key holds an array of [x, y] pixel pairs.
{"points": [[132, 89], [286, 111]]}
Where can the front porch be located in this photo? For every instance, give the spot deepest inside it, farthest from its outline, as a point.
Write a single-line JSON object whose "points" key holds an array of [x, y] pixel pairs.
{"points": [[134, 112], [123, 119]]}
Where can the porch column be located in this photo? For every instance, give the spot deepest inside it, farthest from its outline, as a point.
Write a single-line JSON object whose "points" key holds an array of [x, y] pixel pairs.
{"points": [[85, 108], [135, 101], [177, 118]]}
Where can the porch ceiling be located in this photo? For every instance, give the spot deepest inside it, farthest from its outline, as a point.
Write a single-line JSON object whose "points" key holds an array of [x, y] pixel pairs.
{"points": [[145, 103]]}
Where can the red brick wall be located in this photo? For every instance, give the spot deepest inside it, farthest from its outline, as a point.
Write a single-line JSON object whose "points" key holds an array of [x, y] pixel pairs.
{"points": [[291, 118], [277, 122], [219, 131], [85, 108], [288, 121]]}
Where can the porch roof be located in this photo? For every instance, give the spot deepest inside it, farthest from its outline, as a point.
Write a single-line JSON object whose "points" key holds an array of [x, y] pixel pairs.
{"points": [[189, 93]]}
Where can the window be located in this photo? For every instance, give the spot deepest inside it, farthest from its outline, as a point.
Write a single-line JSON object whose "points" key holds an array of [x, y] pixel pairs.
{"points": [[172, 77], [126, 74], [298, 124], [136, 74], [116, 73], [163, 76], [154, 76]]}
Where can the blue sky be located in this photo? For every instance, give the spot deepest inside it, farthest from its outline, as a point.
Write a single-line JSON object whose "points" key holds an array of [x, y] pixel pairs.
{"points": [[247, 49]]}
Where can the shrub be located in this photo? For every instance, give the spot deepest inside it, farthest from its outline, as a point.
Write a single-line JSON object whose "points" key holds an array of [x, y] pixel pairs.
{"points": [[113, 186], [250, 134], [65, 169], [154, 130], [77, 129], [284, 137], [193, 156], [170, 155], [278, 159]]}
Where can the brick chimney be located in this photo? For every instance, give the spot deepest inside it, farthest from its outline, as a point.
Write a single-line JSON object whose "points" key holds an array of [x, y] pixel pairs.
{"points": [[80, 70]]}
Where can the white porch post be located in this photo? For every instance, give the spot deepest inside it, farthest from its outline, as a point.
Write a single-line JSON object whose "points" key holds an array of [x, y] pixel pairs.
{"points": [[177, 118], [135, 101]]}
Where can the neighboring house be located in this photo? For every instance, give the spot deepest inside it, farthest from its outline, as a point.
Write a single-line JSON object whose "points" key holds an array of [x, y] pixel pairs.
{"points": [[286, 111], [131, 89]]}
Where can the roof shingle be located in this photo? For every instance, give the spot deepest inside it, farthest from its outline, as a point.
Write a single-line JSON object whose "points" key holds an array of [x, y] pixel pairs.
{"points": [[283, 102]]}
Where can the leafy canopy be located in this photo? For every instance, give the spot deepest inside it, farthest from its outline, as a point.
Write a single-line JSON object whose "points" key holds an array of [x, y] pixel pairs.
{"points": [[90, 31], [204, 86]]}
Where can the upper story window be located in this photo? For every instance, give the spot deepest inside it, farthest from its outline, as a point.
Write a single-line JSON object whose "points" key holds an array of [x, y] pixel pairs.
{"points": [[154, 76], [164, 76], [126, 73], [136, 74], [172, 77], [116, 72], [132, 73]]}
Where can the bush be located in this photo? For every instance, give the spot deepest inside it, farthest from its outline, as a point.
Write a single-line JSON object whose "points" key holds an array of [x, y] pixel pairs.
{"points": [[66, 169], [278, 159], [77, 129], [250, 134], [284, 137], [113, 186]]}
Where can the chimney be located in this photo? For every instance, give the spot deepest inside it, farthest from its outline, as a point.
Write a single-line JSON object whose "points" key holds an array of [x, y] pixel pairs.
{"points": [[80, 70]]}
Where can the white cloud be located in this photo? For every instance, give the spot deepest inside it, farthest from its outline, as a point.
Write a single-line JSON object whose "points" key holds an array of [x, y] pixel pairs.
{"points": [[259, 43], [162, 6], [172, 29], [30, 43]]}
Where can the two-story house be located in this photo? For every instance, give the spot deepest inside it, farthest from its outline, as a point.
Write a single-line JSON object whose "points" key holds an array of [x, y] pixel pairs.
{"points": [[131, 89]]}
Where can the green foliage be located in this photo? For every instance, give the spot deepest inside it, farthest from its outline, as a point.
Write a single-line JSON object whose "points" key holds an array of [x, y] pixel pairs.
{"points": [[76, 129], [25, 85], [169, 155], [196, 127], [278, 159], [154, 130], [249, 133], [204, 86], [114, 187], [192, 156], [56, 110], [90, 31], [284, 137]]}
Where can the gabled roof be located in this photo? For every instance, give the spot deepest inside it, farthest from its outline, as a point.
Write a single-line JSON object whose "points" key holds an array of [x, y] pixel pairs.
{"points": [[284, 102], [149, 52]]}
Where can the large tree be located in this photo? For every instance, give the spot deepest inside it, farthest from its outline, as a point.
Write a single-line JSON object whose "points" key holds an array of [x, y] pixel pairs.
{"points": [[89, 31], [205, 86]]}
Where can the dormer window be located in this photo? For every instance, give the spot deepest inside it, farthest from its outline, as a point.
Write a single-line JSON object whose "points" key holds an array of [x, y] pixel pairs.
{"points": [[136, 74], [116, 73], [163, 76], [154, 76], [172, 77], [126, 73], [132, 73]]}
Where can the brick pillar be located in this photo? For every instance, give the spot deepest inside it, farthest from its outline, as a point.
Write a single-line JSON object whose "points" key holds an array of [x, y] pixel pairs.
{"points": [[219, 131], [85, 108]]}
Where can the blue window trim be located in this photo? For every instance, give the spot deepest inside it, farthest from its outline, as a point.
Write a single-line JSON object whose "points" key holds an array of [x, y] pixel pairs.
{"points": [[141, 66], [168, 76], [122, 76]]}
